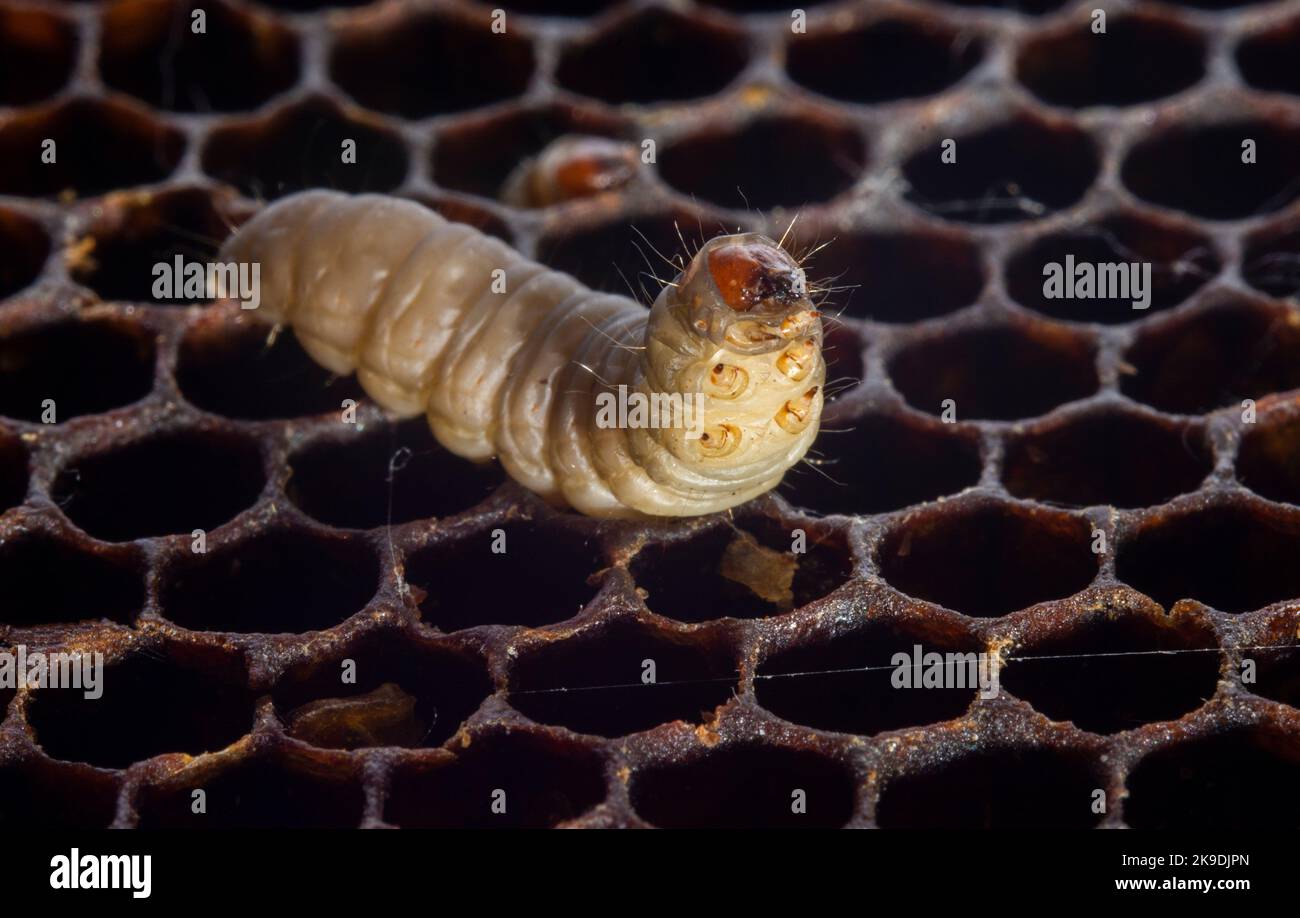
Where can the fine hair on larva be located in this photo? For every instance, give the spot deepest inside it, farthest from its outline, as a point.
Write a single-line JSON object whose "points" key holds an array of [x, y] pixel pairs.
{"points": [[510, 359]]}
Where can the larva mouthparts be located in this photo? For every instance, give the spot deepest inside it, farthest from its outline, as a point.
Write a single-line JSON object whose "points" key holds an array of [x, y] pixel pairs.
{"points": [[724, 373]]}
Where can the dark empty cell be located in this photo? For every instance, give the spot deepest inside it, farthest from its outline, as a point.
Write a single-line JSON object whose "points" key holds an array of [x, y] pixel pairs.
{"points": [[231, 369], [174, 483], [440, 689], [150, 50], [1112, 675], [56, 795], [655, 55], [387, 476], [1216, 358], [1277, 673], [256, 795], [990, 558], [776, 161], [997, 373], [1267, 58], [276, 582], [130, 242], [1007, 789], [593, 683], [1115, 458], [1267, 461], [1234, 781], [842, 351], [144, 150], [1180, 263], [25, 246], [150, 706], [1018, 170], [37, 52], [537, 575], [890, 59], [1199, 169], [302, 147], [541, 782], [1138, 58], [48, 582], [746, 787], [432, 62], [85, 367], [882, 463], [13, 471], [1271, 261], [847, 685], [685, 580], [1234, 559]]}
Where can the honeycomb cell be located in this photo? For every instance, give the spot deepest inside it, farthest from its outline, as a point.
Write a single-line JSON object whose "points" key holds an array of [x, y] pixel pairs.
{"points": [[529, 574], [85, 366], [842, 351], [385, 476], [882, 463], [276, 582], [37, 52], [1139, 58], [1020, 169], [1112, 457], [234, 369], [1270, 261], [1238, 780], [996, 372], [773, 161], [1006, 789], [1267, 58], [1232, 557], [302, 147], [430, 62], [151, 704], [1233, 350], [49, 581], [147, 487], [1181, 262], [895, 58], [144, 149], [462, 212], [592, 682], [988, 558], [1278, 671], [1266, 459], [745, 787], [1026, 7], [1199, 168], [149, 49], [54, 793], [13, 470], [25, 246], [846, 684], [545, 782], [685, 580], [639, 58]]}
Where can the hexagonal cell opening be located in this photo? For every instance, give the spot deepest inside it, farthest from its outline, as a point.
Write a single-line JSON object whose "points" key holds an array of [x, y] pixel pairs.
{"points": [[773, 161], [13, 470], [618, 64], [148, 488], [741, 573], [545, 781], [842, 351], [1018, 170], [56, 794], [37, 52], [886, 60], [277, 582], [50, 582], [1266, 460], [1140, 58], [529, 574], [989, 558], [148, 49], [150, 705], [592, 682], [1267, 58], [1000, 372], [1112, 457], [1270, 262], [745, 787], [883, 463], [1171, 169], [1277, 668], [1002, 789], [431, 62], [1181, 263], [1234, 558], [846, 684], [26, 247]]}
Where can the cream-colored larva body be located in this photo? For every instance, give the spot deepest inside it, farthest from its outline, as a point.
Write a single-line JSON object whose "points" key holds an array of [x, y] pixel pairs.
{"points": [[506, 358]]}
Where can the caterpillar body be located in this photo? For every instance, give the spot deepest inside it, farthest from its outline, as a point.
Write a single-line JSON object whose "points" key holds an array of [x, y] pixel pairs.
{"points": [[507, 358]]}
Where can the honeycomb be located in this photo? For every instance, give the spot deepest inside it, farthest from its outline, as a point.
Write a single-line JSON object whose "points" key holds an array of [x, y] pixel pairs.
{"points": [[330, 542]]}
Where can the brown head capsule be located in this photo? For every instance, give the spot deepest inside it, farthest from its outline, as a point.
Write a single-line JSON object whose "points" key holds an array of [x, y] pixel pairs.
{"points": [[749, 274]]}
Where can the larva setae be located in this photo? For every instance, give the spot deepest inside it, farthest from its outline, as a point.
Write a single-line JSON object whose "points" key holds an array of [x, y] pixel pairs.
{"points": [[507, 358]]}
